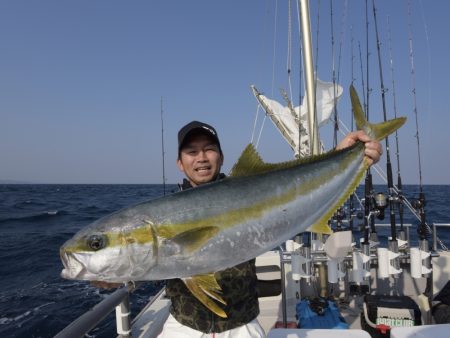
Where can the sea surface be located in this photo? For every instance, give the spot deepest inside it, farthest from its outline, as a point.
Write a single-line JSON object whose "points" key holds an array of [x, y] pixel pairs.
{"points": [[35, 220]]}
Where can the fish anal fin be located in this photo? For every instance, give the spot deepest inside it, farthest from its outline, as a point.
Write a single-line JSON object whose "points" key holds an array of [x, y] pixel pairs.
{"points": [[320, 228], [205, 288], [191, 240]]}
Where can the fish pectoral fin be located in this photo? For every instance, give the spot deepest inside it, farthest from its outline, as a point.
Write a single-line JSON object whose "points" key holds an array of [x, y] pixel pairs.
{"points": [[193, 239], [205, 287]]}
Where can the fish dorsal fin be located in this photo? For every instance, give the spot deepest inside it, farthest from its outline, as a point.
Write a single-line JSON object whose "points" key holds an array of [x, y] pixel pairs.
{"points": [[250, 163], [205, 288], [192, 239]]}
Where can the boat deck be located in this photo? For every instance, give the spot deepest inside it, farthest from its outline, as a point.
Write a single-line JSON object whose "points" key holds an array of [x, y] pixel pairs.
{"points": [[149, 322]]}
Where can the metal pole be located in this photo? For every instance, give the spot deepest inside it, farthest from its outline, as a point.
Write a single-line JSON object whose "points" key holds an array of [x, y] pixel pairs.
{"points": [[82, 325], [309, 76]]}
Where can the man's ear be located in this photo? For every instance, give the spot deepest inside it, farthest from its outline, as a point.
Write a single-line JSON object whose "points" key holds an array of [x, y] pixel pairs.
{"points": [[180, 165]]}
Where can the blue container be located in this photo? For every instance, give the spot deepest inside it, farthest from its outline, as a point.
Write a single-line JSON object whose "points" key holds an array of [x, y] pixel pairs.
{"points": [[330, 317]]}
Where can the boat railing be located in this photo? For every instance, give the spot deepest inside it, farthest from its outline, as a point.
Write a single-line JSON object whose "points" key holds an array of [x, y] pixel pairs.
{"points": [[118, 301]]}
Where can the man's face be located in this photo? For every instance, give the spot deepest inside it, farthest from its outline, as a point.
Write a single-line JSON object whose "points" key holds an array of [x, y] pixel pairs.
{"points": [[200, 159]]}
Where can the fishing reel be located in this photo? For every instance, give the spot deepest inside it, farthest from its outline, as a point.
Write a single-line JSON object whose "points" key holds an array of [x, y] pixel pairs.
{"points": [[380, 205], [419, 203]]}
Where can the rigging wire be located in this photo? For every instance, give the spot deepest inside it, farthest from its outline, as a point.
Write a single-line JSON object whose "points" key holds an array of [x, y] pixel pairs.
{"points": [[273, 70]]}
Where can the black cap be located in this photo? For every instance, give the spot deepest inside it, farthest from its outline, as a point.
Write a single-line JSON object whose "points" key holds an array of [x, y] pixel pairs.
{"points": [[198, 127]]}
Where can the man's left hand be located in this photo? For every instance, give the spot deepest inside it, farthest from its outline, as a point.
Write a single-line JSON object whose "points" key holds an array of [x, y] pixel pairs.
{"points": [[373, 148]]}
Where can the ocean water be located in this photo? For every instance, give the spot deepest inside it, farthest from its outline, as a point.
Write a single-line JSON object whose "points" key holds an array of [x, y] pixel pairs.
{"points": [[35, 220]]}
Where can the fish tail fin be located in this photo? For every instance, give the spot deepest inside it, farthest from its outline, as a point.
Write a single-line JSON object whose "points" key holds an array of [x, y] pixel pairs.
{"points": [[205, 287], [376, 131]]}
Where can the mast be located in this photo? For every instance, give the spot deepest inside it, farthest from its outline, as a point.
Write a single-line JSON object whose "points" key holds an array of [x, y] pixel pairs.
{"points": [[309, 76]]}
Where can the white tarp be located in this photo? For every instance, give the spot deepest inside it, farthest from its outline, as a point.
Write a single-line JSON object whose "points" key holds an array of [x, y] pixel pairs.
{"points": [[287, 120]]}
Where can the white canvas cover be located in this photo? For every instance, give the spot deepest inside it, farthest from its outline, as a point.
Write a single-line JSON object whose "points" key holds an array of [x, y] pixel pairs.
{"points": [[287, 119]]}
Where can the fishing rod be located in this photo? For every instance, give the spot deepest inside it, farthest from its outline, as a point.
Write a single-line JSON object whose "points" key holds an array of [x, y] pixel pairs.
{"points": [[388, 156], [351, 204], [162, 150], [369, 220], [335, 112], [340, 214], [380, 199], [400, 197], [420, 203]]}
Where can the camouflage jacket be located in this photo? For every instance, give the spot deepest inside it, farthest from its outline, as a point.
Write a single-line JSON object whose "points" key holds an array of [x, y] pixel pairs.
{"points": [[239, 290]]}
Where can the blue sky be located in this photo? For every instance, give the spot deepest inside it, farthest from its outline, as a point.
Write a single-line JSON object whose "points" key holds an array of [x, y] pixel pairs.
{"points": [[81, 81]]}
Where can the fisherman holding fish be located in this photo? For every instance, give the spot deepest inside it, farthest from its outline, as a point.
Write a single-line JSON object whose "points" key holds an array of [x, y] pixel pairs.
{"points": [[200, 158], [204, 239]]}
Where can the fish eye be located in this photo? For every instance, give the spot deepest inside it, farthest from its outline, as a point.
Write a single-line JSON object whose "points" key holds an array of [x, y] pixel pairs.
{"points": [[96, 242]]}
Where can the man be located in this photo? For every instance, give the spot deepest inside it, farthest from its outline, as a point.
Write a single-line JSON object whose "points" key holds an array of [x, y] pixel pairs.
{"points": [[200, 158]]}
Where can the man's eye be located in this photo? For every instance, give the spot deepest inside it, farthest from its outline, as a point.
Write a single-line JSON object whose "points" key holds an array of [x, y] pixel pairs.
{"points": [[211, 148]]}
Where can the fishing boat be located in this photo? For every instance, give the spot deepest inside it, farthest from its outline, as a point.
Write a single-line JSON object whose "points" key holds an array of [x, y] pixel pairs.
{"points": [[347, 284]]}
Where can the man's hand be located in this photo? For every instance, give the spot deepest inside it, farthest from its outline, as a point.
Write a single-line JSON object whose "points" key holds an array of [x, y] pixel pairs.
{"points": [[373, 148]]}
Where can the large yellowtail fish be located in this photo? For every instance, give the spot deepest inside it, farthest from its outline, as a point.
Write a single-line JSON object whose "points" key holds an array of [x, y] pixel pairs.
{"points": [[193, 233]]}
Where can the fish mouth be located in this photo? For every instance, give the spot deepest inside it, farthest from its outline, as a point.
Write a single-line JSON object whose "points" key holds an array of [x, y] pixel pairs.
{"points": [[73, 269]]}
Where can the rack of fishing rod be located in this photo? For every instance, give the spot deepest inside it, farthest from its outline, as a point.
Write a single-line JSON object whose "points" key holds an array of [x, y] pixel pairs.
{"points": [[305, 253]]}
